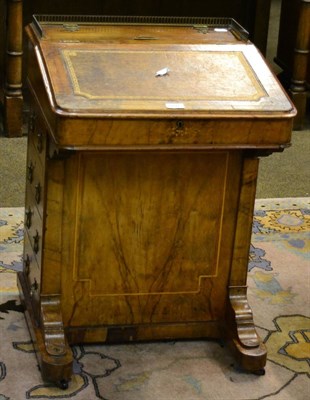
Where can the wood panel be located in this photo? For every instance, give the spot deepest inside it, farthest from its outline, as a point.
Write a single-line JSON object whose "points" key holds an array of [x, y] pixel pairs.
{"points": [[156, 242]]}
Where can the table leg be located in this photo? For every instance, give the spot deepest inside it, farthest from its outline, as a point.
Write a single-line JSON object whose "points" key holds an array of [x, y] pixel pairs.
{"points": [[298, 89], [13, 98]]}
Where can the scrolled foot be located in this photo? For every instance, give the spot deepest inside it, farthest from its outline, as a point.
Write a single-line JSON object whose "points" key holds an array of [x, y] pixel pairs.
{"points": [[249, 349]]}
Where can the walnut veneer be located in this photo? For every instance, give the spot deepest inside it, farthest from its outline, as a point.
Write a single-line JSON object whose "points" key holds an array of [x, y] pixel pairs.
{"points": [[142, 168]]}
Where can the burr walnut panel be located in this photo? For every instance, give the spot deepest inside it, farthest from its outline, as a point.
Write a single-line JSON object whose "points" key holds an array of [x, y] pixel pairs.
{"points": [[156, 250], [183, 224]]}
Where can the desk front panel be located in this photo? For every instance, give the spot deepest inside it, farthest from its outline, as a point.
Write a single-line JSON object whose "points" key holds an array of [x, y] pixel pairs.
{"points": [[148, 237]]}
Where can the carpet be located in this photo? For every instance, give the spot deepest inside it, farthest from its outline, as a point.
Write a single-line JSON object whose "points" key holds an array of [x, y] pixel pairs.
{"points": [[279, 293]]}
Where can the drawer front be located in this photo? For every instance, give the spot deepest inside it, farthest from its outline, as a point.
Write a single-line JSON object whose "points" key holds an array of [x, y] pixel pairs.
{"points": [[35, 178], [37, 135], [174, 133]]}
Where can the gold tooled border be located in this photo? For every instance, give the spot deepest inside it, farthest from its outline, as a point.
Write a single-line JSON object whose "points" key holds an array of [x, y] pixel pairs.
{"points": [[69, 54]]}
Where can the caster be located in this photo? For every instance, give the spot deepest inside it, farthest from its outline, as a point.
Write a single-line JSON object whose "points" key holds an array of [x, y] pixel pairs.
{"points": [[63, 384], [259, 372]]}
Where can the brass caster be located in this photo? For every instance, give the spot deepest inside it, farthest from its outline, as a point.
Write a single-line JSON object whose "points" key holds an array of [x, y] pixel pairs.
{"points": [[259, 372], [63, 384]]}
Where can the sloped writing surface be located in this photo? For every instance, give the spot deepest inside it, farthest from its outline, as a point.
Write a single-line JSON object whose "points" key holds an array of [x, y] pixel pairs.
{"points": [[192, 75], [108, 78]]}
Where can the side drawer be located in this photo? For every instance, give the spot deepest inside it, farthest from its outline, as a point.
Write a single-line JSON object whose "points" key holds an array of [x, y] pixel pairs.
{"points": [[37, 135], [35, 178]]}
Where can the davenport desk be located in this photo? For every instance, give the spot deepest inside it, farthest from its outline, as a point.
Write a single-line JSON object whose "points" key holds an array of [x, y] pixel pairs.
{"points": [[144, 143]]}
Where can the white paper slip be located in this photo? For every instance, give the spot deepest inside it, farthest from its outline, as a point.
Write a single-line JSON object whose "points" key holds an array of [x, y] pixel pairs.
{"points": [[162, 72], [175, 105], [220, 30]]}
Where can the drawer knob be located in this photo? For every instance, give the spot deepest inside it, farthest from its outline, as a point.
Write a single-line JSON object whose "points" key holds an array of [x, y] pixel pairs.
{"points": [[38, 193], [28, 214], [36, 239], [30, 169]]}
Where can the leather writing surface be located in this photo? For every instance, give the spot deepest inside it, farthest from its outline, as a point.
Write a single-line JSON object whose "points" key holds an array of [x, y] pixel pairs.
{"points": [[192, 75], [103, 77]]}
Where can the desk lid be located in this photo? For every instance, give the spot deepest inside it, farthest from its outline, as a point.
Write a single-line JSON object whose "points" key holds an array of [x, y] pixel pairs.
{"points": [[142, 66]]}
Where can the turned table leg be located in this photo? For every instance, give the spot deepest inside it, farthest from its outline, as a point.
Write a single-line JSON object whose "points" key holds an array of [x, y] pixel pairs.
{"points": [[13, 98], [298, 89]]}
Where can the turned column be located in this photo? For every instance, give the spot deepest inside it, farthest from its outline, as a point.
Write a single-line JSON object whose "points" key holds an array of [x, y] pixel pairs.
{"points": [[298, 87], [13, 99]]}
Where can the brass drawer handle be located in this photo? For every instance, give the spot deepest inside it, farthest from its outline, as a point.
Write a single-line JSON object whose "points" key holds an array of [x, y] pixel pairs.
{"points": [[36, 239], [30, 169], [40, 142], [38, 193], [27, 265], [32, 120], [28, 221], [34, 287]]}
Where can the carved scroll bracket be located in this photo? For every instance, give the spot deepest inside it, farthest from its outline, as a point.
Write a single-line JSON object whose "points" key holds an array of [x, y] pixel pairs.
{"points": [[250, 350], [53, 329]]}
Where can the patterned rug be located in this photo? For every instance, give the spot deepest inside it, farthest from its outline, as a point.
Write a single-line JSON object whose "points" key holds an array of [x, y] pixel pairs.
{"points": [[279, 293]]}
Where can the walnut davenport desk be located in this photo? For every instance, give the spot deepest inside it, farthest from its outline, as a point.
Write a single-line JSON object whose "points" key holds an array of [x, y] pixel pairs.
{"points": [[144, 144]]}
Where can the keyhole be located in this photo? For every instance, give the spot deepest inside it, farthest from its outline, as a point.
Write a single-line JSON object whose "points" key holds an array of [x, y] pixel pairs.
{"points": [[180, 125]]}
